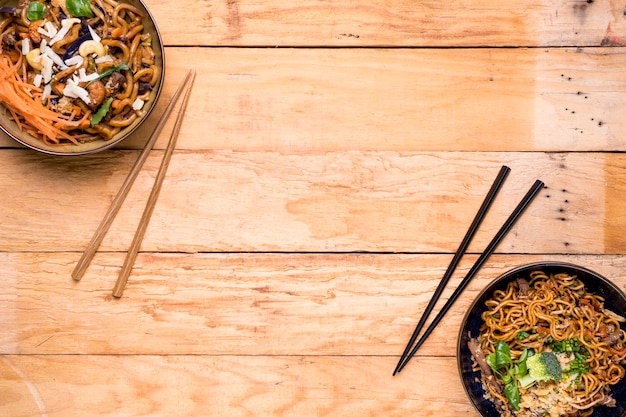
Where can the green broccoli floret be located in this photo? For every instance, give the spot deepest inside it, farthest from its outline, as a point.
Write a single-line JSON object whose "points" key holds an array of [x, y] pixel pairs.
{"points": [[543, 366]]}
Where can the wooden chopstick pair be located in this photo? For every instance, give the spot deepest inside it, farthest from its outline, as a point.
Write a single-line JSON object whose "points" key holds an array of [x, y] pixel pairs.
{"points": [[411, 349], [116, 204]]}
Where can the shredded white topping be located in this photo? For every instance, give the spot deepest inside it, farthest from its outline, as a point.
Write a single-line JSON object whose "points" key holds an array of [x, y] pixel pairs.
{"points": [[46, 71], [75, 60], [44, 32], [66, 25], [138, 104], [48, 29], [94, 35], [54, 57], [73, 90], [52, 30], [25, 46], [83, 77], [104, 58], [47, 90]]}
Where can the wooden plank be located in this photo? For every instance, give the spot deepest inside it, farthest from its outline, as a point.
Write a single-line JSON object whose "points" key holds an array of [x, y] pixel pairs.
{"points": [[226, 385], [383, 23], [241, 304], [321, 100], [615, 240], [335, 202]]}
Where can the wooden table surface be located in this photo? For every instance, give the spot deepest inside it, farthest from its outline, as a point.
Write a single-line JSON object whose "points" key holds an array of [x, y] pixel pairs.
{"points": [[332, 155]]}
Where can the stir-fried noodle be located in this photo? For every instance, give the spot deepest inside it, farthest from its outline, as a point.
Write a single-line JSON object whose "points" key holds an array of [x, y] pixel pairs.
{"points": [[553, 314], [73, 71]]}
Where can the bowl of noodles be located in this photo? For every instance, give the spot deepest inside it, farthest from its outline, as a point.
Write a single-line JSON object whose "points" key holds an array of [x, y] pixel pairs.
{"points": [[545, 339], [77, 76]]}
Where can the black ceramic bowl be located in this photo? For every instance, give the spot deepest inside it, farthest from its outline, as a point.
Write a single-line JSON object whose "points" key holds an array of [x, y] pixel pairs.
{"points": [[615, 300], [11, 129]]}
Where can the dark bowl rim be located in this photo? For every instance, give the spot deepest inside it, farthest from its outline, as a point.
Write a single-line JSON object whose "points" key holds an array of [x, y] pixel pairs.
{"points": [[507, 276], [134, 128]]}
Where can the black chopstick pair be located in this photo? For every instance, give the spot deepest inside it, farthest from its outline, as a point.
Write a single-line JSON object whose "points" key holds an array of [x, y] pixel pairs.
{"points": [[489, 198]]}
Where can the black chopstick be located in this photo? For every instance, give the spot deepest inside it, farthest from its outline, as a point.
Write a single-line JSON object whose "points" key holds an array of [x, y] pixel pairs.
{"points": [[530, 195], [480, 215]]}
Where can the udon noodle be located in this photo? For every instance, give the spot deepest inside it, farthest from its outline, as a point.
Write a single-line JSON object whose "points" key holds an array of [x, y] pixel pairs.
{"points": [[74, 71], [553, 313]]}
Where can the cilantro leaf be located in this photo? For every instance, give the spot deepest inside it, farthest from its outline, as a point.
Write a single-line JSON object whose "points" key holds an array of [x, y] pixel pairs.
{"points": [[102, 111]]}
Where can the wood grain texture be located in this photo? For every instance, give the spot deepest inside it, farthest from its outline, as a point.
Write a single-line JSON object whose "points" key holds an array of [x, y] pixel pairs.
{"points": [[165, 386], [344, 201], [391, 23], [242, 304], [332, 156], [324, 100]]}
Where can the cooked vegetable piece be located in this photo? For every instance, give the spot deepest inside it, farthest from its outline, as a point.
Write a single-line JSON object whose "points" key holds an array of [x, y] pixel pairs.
{"points": [[79, 8], [542, 367], [502, 365], [102, 111], [36, 11], [106, 73], [9, 10], [16, 96]]}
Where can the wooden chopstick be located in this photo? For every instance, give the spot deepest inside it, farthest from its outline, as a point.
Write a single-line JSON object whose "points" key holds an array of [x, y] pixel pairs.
{"points": [[515, 215], [480, 215], [116, 204], [122, 279]]}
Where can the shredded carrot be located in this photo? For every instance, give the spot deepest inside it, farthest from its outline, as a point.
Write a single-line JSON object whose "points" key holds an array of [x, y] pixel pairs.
{"points": [[117, 32], [16, 118], [24, 102], [85, 124], [14, 55], [618, 352], [59, 88]]}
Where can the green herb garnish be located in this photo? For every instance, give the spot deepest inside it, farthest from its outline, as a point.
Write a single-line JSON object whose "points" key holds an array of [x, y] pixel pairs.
{"points": [[503, 367], [79, 8], [578, 365], [106, 73], [36, 11], [102, 111]]}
